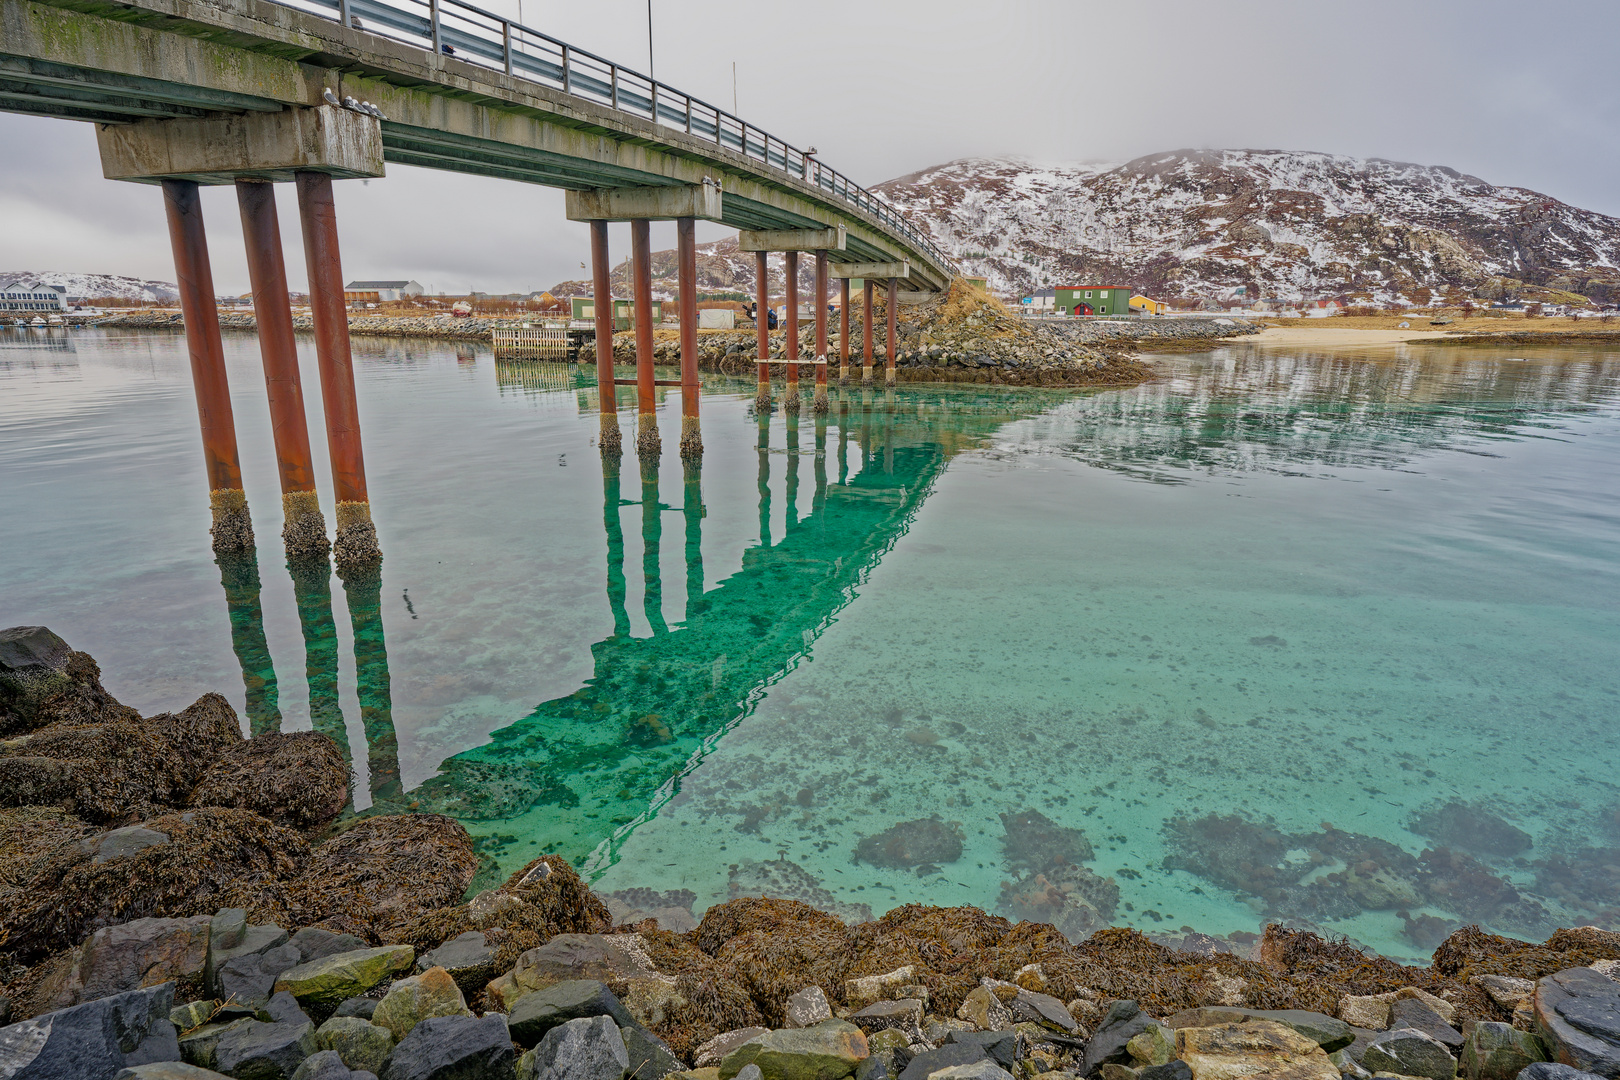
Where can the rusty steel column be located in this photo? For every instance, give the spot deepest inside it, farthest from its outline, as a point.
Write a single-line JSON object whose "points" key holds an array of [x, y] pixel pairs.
{"points": [[232, 527], [762, 331], [866, 332], [356, 537], [820, 404], [686, 279], [790, 332], [609, 440], [843, 331], [648, 443], [892, 342], [303, 529]]}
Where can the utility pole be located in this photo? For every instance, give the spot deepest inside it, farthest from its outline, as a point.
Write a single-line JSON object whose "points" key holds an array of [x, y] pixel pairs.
{"points": [[734, 88], [650, 74]]}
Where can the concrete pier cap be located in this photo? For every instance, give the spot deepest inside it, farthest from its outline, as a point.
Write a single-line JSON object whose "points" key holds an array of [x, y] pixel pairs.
{"points": [[253, 146], [646, 203], [876, 271], [791, 239]]}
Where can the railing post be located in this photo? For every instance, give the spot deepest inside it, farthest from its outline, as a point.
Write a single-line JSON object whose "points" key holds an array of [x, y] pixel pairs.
{"points": [[343, 13], [433, 19], [568, 78], [717, 127], [614, 74], [654, 96], [506, 44], [689, 114]]}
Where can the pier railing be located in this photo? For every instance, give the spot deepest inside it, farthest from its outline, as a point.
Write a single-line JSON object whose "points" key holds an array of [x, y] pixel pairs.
{"points": [[476, 36]]}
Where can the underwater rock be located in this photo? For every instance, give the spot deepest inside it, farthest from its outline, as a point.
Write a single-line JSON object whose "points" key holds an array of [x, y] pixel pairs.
{"points": [[490, 790], [782, 879], [299, 780], [1473, 828], [672, 909], [1587, 878], [912, 843], [1035, 842], [1072, 898]]}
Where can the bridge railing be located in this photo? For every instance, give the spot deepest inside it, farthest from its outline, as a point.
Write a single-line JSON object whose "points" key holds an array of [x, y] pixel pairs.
{"points": [[481, 37]]}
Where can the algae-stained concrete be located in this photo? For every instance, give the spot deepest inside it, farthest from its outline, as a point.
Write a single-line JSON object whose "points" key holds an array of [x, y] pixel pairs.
{"points": [[118, 63], [257, 146]]}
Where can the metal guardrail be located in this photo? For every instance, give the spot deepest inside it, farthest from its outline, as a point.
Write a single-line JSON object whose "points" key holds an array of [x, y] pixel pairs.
{"points": [[480, 37]]}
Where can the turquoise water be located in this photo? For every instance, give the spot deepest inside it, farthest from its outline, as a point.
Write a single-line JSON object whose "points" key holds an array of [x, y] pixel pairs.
{"points": [[1329, 638]]}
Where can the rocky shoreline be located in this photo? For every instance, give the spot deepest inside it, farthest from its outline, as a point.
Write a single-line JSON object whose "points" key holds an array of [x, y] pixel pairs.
{"points": [[177, 901], [961, 336]]}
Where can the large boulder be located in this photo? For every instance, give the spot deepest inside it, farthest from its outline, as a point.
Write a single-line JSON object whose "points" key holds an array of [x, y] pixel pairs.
{"points": [[136, 954], [951, 1055], [537, 1013], [1330, 1034], [174, 866], [299, 779], [585, 1048], [420, 997], [43, 681], [1409, 1052], [603, 958], [818, 1053], [1496, 1051], [468, 957], [1109, 1043], [1254, 1048], [453, 1048], [383, 872], [92, 1041], [1577, 1014], [360, 1043], [328, 980], [255, 1050]]}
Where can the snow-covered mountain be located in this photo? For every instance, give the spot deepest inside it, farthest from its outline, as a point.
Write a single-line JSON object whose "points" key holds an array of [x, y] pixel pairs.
{"points": [[95, 286], [1285, 224]]}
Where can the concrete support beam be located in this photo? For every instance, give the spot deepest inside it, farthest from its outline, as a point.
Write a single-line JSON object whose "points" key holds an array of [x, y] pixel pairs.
{"points": [[832, 239], [877, 270], [646, 203], [252, 146]]}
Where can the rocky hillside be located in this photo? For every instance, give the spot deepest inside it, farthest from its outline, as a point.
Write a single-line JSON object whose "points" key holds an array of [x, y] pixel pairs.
{"points": [[721, 267], [1284, 224], [95, 286]]}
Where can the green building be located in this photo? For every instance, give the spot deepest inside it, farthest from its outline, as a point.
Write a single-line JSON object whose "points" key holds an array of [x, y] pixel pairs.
{"points": [[624, 312], [1093, 300]]}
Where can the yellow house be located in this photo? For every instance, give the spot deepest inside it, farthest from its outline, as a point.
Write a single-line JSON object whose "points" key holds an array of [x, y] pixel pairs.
{"points": [[1147, 306]]}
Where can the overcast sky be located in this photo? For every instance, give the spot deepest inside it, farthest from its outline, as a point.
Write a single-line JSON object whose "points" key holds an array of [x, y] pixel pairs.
{"points": [[1515, 93]]}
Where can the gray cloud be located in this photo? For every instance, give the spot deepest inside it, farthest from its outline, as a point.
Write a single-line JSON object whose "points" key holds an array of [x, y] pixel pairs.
{"points": [[1511, 92]]}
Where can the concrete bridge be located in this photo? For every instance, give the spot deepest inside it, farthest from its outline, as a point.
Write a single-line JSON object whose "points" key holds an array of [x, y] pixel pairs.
{"points": [[253, 93]]}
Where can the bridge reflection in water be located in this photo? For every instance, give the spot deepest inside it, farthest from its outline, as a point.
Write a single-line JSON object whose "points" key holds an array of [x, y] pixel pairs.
{"points": [[581, 772]]}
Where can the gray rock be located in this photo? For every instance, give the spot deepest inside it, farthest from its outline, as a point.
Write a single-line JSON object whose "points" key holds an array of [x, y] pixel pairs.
{"points": [[1578, 1016], [808, 1006], [589, 1048], [168, 1070], [1416, 1013], [931, 1061], [539, 1012], [357, 1006], [1330, 1034], [872, 1068], [198, 1046], [31, 652], [749, 1072], [313, 943], [254, 1050], [715, 1050], [1174, 1070], [116, 843], [1045, 1010], [1552, 1070], [1002, 1046], [1411, 1053], [5, 1010], [323, 1065], [467, 957], [360, 1043], [454, 1048], [249, 979], [978, 1070], [1123, 1021], [650, 1056], [1499, 1051], [229, 938], [92, 1041], [283, 1008], [141, 952], [905, 1014], [1349, 1067]]}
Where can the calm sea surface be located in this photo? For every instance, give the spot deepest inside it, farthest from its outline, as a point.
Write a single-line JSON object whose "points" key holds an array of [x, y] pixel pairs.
{"points": [[1327, 638]]}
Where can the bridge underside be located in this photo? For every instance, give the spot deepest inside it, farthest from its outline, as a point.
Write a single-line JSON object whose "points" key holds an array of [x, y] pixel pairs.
{"points": [[124, 62]]}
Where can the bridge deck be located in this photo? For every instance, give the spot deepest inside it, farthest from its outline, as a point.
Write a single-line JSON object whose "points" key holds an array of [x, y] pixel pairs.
{"points": [[512, 103]]}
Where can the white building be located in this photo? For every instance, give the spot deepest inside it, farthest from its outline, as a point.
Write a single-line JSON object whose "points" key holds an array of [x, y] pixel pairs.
{"points": [[32, 296]]}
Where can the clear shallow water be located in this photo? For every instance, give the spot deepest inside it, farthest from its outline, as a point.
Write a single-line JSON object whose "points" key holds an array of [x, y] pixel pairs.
{"points": [[1195, 620]]}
